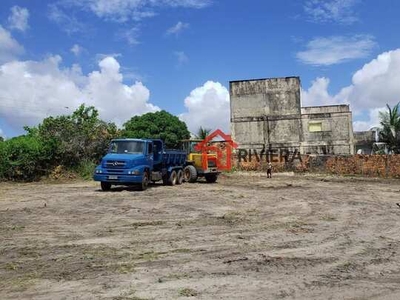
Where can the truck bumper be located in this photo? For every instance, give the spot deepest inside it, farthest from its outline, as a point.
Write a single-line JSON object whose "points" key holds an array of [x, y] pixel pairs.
{"points": [[118, 179], [202, 172]]}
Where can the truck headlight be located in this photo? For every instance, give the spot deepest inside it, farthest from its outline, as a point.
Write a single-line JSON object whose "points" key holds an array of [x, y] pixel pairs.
{"points": [[99, 171], [134, 172]]}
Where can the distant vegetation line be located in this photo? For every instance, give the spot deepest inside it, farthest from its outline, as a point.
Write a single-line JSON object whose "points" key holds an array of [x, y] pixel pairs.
{"points": [[76, 142]]}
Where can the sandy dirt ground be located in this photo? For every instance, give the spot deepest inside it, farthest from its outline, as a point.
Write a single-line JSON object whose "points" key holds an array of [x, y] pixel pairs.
{"points": [[245, 237]]}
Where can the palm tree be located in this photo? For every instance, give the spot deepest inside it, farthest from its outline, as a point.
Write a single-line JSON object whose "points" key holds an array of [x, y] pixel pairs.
{"points": [[202, 133], [390, 122]]}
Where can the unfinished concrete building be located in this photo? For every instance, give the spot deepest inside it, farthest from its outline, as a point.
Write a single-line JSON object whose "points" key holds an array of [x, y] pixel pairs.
{"points": [[267, 114], [364, 141]]}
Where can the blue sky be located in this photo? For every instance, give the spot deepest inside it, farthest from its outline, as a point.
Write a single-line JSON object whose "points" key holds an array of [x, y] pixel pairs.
{"points": [[129, 57]]}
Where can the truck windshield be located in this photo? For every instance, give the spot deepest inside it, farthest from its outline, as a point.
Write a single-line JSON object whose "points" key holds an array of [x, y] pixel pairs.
{"points": [[131, 147]]}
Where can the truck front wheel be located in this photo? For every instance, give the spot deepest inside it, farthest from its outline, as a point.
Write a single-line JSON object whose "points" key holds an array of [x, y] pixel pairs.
{"points": [[190, 174], [105, 186], [145, 182], [211, 178]]}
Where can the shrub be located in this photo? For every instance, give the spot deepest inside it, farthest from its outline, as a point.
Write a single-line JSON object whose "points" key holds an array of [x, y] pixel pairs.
{"points": [[23, 158]]}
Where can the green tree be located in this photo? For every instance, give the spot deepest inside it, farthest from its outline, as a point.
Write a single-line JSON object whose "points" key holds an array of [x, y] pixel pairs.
{"points": [[3, 160], [77, 141], [202, 133], [157, 125], [390, 131], [77, 138]]}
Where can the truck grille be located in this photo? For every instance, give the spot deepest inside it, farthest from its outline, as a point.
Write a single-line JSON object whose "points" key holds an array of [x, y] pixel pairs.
{"points": [[115, 164], [211, 163]]}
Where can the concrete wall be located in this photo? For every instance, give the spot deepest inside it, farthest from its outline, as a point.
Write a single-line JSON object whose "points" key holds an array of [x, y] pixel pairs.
{"points": [[265, 97], [266, 113]]}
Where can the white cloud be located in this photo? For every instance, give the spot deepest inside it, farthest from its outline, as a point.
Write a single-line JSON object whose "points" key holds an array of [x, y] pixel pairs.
{"points": [[373, 120], [177, 29], [132, 12], [373, 86], [317, 94], [184, 3], [10, 49], [331, 11], [378, 81], [33, 90], [18, 18], [119, 10], [130, 35], [207, 106], [136, 10], [116, 101], [336, 49], [182, 57], [77, 50], [68, 22]]}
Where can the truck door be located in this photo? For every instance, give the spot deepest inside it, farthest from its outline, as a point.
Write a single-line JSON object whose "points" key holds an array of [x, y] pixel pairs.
{"points": [[149, 154], [157, 151]]}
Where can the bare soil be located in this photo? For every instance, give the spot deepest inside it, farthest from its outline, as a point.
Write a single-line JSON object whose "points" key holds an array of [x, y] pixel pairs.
{"points": [[245, 237]]}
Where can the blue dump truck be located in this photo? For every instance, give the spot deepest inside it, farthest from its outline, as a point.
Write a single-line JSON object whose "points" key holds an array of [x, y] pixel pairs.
{"points": [[139, 161]]}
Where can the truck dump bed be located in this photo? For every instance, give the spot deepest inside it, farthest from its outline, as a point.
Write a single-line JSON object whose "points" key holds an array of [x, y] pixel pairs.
{"points": [[174, 157]]}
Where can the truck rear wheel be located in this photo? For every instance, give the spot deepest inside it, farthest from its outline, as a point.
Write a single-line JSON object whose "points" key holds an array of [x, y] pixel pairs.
{"points": [[105, 186], [190, 174], [211, 178], [179, 178], [172, 178], [145, 182]]}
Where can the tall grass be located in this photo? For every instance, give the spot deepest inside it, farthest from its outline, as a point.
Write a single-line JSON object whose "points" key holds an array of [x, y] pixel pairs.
{"points": [[86, 169]]}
